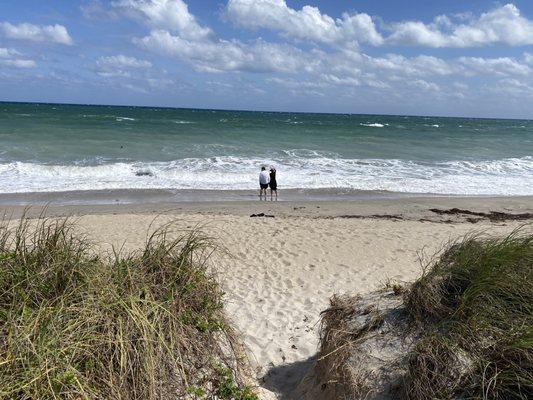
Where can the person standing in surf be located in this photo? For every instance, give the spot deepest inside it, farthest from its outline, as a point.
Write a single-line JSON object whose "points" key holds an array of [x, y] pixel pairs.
{"points": [[264, 180], [273, 184]]}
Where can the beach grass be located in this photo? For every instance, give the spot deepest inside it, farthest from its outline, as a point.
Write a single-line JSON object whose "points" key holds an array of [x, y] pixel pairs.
{"points": [[146, 325], [475, 309], [463, 330]]}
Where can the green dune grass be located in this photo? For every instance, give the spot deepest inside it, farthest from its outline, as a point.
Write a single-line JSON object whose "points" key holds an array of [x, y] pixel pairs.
{"points": [[464, 330], [474, 307], [148, 325]]}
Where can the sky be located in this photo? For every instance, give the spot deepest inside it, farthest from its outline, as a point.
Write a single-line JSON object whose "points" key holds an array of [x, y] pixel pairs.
{"points": [[450, 58]]}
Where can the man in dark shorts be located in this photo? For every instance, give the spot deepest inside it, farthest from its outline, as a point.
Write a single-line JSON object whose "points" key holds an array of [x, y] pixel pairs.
{"points": [[273, 183], [264, 179]]}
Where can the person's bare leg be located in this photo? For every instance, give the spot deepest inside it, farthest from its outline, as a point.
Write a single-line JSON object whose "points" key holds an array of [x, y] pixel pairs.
{"points": [[276, 194], [271, 191], [260, 194]]}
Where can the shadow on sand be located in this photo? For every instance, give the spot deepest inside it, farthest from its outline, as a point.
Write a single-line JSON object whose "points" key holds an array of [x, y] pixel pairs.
{"points": [[284, 379]]}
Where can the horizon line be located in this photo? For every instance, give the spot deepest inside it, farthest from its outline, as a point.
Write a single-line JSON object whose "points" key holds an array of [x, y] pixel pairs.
{"points": [[256, 111]]}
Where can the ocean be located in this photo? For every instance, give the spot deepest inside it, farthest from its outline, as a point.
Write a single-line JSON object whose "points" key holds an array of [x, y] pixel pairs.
{"points": [[54, 148]]}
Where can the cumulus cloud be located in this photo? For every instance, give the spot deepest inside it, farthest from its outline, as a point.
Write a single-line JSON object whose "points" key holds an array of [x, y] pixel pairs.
{"points": [[12, 58], [219, 55], [176, 32], [502, 25], [307, 24], [37, 33], [171, 15], [184, 38], [331, 60]]}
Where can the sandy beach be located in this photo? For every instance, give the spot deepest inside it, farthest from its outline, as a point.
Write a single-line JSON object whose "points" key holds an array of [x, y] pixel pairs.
{"points": [[283, 267], [395, 138]]}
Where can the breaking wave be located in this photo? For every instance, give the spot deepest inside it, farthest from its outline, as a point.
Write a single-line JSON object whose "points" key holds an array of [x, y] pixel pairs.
{"points": [[374, 125], [296, 169]]}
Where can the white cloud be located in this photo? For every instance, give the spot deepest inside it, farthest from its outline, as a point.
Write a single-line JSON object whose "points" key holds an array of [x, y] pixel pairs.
{"points": [[35, 33], [171, 15], [94, 9], [120, 66], [420, 65], [337, 69], [307, 24], [425, 85], [518, 89], [503, 25], [221, 55], [390, 66], [18, 63], [8, 53], [460, 86], [122, 62], [497, 66], [13, 58], [177, 33], [343, 81]]}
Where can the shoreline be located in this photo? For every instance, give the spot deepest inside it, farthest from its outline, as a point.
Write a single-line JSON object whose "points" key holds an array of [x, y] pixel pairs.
{"points": [[145, 196], [295, 203]]}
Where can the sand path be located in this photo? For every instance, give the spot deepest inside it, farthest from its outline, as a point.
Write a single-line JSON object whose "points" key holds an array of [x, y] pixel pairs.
{"points": [[284, 270]]}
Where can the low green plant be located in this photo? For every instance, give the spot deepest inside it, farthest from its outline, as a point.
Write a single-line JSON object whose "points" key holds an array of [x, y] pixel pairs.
{"points": [[228, 389]]}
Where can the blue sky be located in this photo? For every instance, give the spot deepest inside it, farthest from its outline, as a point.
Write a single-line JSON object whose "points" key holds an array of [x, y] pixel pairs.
{"points": [[449, 57]]}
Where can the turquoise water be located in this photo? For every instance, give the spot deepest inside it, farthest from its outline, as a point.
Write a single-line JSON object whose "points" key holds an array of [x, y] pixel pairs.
{"points": [[47, 147]]}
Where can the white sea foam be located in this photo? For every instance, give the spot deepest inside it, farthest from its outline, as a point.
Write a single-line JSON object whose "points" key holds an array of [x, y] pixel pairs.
{"points": [[373, 125], [183, 122], [299, 169], [119, 119]]}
